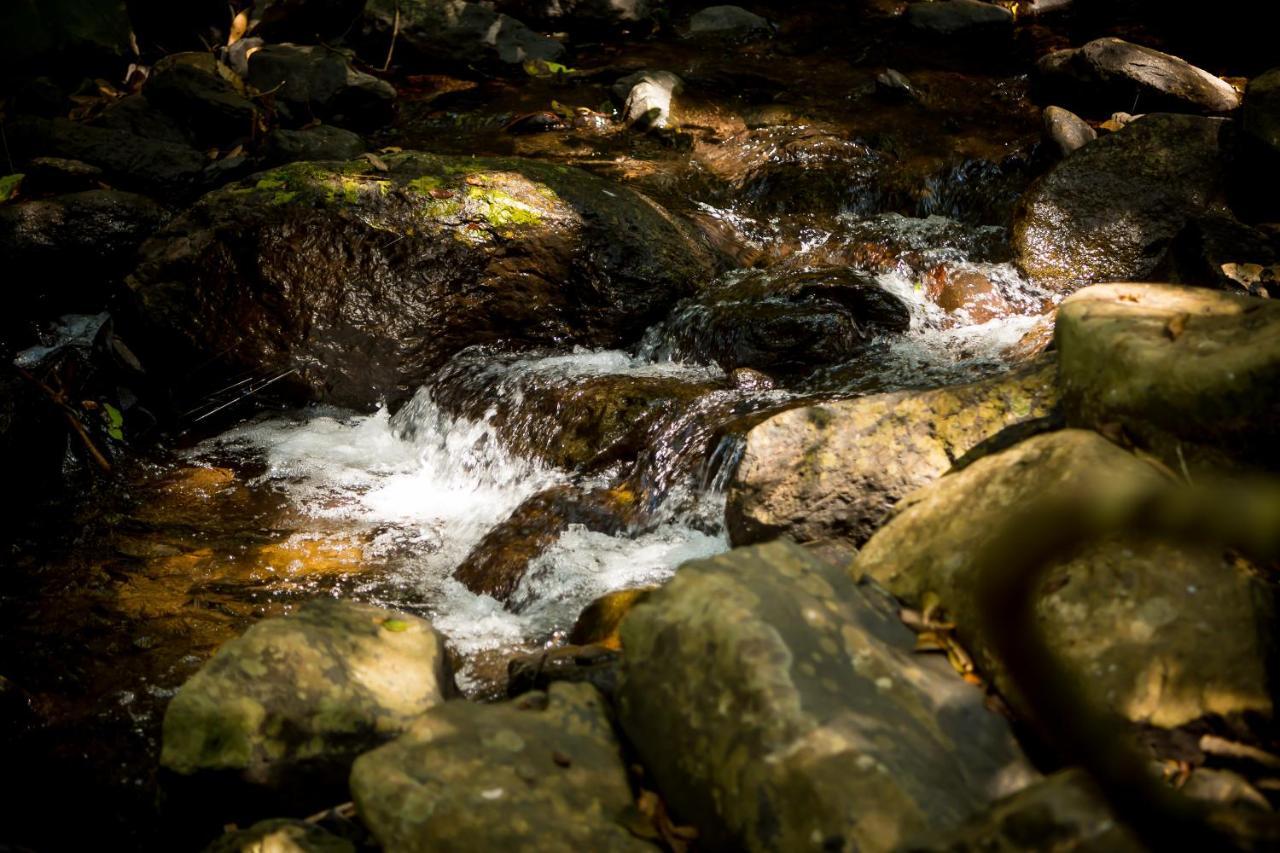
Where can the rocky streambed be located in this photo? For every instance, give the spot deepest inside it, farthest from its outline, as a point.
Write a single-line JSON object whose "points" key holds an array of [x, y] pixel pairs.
{"points": [[447, 426]]}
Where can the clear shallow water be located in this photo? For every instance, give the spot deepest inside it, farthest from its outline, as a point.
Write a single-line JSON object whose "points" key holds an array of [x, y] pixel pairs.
{"points": [[420, 489]]}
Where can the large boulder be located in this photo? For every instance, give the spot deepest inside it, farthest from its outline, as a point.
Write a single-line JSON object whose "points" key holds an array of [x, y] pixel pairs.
{"points": [[1110, 74], [541, 773], [782, 322], [1110, 210], [1192, 374], [365, 281], [288, 706], [1162, 634], [436, 31], [778, 706], [835, 471], [309, 82], [62, 252]]}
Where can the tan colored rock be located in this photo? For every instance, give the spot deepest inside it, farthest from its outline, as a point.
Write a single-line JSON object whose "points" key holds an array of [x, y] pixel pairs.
{"points": [[1192, 374], [836, 470], [309, 690], [777, 706], [540, 773], [1163, 634]]}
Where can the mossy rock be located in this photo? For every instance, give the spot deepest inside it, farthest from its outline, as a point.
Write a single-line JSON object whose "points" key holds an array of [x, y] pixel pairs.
{"points": [[364, 281]]}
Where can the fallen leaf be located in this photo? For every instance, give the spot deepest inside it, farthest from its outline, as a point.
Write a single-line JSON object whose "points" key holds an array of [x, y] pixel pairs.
{"points": [[239, 25]]}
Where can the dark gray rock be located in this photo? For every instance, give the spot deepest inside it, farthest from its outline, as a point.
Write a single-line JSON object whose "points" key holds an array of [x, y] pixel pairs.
{"points": [[311, 82], [442, 31], [959, 17], [48, 175], [726, 20], [321, 142], [207, 97], [1111, 74]]}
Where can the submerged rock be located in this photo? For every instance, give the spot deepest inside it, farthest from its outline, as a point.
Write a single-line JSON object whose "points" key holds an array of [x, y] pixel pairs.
{"points": [[1192, 374], [452, 30], [310, 82], [540, 773], [836, 470], [1066, 131], [782, 322], [364, 282], [1111, 74], [777, 706], [1110, 210], [289, 705], [1162, 634]]}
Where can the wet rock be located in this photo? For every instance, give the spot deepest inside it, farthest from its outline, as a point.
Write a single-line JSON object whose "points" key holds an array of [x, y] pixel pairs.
{"points": [[749, 379], [451, 30], [1064, 810], [130, 161], [894, 86], [321, 142], [967, 294], [1192, 374], [1037, 339], [1216, 250], [48, 175], [594, 665], [1110, 73], [310, 82], [837, 470], [542, 772], [782, 322], [288, 706], [959, 17], [726, 20], [77, 33], [281, 835], [197, 90], [778, 706], [1162, 634], [365, 281], [646, 97], [498, 562], [599, 621], [1066, 131], [1110, 210], [61, 253], [135, 115]]}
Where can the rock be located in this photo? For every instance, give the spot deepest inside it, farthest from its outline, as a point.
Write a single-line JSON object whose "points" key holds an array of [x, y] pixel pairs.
{"points": [[289, 705], [1064, 811], [62, 253], [451, 30], [1191, 374], [595, 665], [130, 162], [539, 773], [1110, 74], [782, 322], [1259, 168], [1110, 210], [599, 621], [580, 16], [311, 82], [778, 706], [1216, 250], [75, 33], [281, 835], [959, 17], [50, 175], [968, 294], [836, 470], [307, 21], [135, 115], [894, 86], [1066, 131], [321, 142], [726, 20], [197, 90], [1261, 116], [1037, 339], [646, 97], [1162, 634], [365, 281]]}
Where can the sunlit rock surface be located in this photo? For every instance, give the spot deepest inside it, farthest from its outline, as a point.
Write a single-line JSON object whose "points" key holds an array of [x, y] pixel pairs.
{"points": [[1110, 210], [1161, 633], [1191, 373], [780, 707], [358, 283], [542, 772], [836, 470], [296, 698]]}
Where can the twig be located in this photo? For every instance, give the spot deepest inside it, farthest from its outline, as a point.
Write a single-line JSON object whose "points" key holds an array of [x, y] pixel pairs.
{"points": [[395, 31], [246, 395], [59, 400]]}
